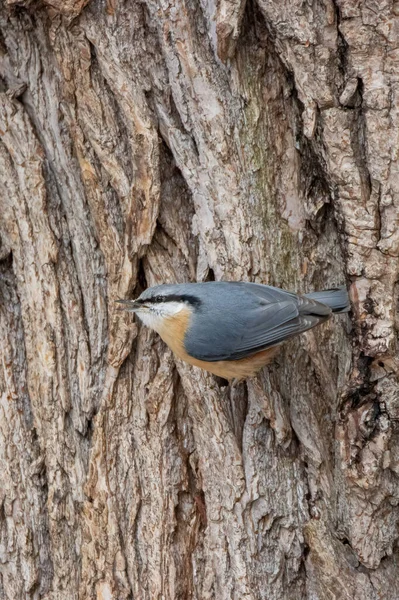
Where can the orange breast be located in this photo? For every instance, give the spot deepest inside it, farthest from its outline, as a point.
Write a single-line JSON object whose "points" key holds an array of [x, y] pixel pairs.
{"points": [[173, 331]]}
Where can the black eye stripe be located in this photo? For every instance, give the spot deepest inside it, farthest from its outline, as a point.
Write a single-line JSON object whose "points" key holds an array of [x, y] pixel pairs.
{"points": [[171, 298], [152, 300]]}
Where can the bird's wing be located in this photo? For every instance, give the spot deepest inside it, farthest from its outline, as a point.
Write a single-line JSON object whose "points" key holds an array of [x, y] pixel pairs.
{"points": [[247, 326]]}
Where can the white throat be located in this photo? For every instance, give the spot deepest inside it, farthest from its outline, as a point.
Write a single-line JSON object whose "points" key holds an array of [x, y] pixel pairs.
{"points": [[155, 315]]}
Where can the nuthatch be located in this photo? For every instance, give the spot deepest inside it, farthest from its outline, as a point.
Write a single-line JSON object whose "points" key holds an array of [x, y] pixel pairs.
{"points": [[231, 329]]}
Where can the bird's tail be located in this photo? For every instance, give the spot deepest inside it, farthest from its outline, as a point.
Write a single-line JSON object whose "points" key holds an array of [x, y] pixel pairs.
{"points": [[337, 299]]}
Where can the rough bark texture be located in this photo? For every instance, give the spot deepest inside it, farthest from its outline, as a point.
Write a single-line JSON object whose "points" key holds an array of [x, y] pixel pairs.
{"points": [[178, 140]]}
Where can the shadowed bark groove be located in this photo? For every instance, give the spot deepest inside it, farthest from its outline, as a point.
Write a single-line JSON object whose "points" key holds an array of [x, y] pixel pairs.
{"points": [[186, 140]]}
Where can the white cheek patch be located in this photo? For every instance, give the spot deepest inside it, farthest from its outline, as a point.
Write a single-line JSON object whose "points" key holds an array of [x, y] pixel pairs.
{"points": [[154, 316], [147, 318], [168, 309]]}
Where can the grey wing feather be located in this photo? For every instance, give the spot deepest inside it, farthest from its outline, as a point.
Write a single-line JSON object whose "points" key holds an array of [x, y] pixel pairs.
{"points": [[267, 325], [253, 318]]}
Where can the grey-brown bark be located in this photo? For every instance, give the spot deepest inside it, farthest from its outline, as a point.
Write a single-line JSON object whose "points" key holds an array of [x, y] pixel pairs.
{"points": [[172, 141]]}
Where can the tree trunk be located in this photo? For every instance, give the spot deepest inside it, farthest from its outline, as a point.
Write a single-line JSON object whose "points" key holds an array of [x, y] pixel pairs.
{"points": [[185, 140]]}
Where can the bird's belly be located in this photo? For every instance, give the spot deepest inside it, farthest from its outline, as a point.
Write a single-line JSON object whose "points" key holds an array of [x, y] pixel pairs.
{"points": [[235, 369]]}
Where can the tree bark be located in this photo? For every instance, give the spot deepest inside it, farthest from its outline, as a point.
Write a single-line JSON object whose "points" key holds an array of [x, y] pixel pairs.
{"points": [[185, 140]]}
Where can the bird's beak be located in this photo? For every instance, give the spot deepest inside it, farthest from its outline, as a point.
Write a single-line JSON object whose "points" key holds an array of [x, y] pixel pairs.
{"points": [[129, 305]]}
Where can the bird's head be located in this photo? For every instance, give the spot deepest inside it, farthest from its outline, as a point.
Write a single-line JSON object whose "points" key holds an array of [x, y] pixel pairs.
{"points": [[160, 302]]}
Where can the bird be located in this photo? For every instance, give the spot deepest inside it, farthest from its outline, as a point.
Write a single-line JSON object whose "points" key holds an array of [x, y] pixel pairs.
{"points": [[231, 329]]}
